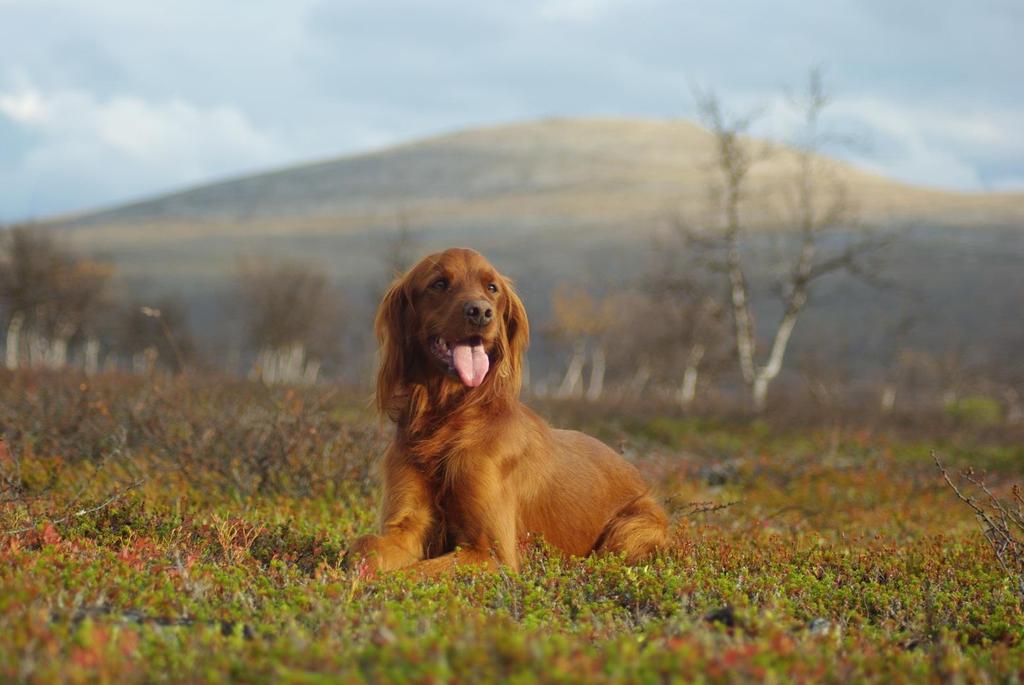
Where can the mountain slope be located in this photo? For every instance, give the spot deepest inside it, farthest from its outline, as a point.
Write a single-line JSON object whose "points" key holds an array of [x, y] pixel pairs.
{"points": [[576, 200], [582, 171]]}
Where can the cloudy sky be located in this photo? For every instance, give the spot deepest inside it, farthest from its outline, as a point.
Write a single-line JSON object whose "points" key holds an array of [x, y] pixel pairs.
{"points": [[107, 100]]}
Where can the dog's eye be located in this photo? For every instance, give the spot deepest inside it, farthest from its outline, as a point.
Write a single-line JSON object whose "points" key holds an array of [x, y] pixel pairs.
{"points": [[493, 288], [440, 285]]}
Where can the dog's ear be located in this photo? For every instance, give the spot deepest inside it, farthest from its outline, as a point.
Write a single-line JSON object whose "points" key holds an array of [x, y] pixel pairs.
{"points": [[395, 353], [515, 340]]}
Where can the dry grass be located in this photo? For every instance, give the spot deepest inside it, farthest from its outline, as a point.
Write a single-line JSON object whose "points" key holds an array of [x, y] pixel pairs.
{"points": [[833, 561]]}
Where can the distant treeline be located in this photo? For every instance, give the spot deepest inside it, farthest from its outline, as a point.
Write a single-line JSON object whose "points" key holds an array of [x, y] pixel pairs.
{"points": [[715, 312]]}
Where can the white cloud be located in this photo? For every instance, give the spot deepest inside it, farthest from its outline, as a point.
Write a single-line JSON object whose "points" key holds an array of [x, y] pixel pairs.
{"points": [[929, 146], [90, 150], [922, 165], [116, 99], [1009, 184], [990, 129], [575, 10], [24, 107], [912, 142]]}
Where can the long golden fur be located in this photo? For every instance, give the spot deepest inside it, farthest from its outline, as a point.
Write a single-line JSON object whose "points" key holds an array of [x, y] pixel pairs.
{"points": [[471, 470]]}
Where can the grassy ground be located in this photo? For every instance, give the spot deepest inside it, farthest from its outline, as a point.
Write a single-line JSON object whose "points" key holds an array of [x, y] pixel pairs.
{"points": [[192, 531]]}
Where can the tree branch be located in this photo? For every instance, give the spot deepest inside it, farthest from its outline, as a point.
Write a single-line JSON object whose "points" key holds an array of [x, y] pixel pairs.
{"points": [[81, 512]]}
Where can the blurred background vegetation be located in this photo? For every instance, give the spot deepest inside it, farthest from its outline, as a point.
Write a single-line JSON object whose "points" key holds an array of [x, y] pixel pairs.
{"points": [[662, 262]]}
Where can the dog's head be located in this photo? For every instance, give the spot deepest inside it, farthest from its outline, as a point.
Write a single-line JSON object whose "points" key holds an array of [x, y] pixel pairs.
{"points": [[452, 323]]}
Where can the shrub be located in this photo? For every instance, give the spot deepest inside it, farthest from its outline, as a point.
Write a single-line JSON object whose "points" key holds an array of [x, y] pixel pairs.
{"points": [[976, 410]]}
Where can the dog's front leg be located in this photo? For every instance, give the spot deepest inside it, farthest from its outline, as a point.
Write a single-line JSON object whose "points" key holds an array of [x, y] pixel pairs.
{"points": [[487, 535], [408, 519], [447, 563]]}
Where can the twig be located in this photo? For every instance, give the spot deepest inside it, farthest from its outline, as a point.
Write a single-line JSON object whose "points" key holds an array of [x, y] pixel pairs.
{"points": [[695, 508], [81, 512], [1009, 551], [803, 511]]}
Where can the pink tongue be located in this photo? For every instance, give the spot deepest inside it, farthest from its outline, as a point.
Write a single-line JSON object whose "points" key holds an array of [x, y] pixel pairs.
{"points": [[471, 363]]}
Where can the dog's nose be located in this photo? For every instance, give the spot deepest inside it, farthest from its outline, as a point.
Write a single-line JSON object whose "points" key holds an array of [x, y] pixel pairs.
{"points": [[479, 312]]}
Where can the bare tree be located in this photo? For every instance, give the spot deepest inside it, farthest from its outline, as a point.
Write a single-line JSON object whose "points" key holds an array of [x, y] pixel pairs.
{"points": [[49, 295], [399, 250], [395, 251], [816, 201], [583, 321], [684, 320], [146, 333], [27, 261], [292, 318], [634, 339]]}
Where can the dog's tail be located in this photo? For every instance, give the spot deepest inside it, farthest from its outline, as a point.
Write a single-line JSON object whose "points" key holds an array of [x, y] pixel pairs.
{"points": [[638, 530]]}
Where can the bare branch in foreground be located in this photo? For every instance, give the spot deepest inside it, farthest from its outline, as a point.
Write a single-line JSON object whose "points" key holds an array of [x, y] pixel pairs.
{"points": [[81, 512], [688, 509], [999, 520]]}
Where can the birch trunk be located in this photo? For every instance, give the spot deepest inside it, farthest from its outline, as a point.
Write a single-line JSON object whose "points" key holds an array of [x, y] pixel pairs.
{"points": [[572, 383], [597, 368], [92, 356], [311, 372], [286, 365], [14, 341], [688, 391], [888, 398], [639, 381]]}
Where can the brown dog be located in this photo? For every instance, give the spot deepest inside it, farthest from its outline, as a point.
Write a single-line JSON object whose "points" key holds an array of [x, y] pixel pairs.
{"points": [[471, 470]]}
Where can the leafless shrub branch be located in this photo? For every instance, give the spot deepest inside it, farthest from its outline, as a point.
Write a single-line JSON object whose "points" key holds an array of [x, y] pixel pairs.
{"points": [[691, 509], [1002, 522]]}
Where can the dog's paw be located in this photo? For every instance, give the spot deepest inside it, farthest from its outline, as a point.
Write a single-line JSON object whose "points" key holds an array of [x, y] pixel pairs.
{"points": [[364, 556]]}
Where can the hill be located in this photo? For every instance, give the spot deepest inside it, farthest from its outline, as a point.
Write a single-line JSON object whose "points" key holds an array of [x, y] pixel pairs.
{"points": [[562, 199], [555, 177], [577, 171]]}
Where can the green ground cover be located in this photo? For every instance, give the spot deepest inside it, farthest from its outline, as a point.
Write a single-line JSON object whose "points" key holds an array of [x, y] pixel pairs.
{"points": [[185, 530]]}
